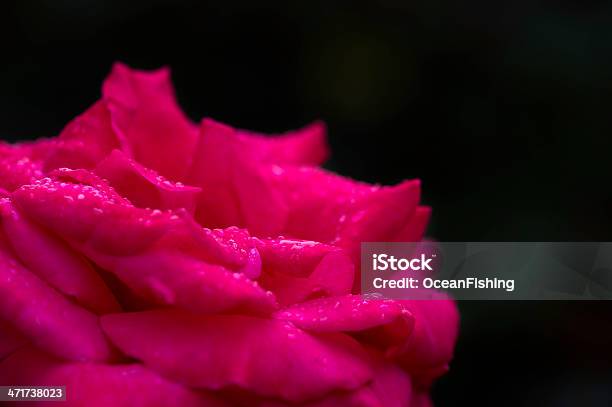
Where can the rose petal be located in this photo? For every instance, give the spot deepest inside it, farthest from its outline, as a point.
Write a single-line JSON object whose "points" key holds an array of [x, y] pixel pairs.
{"points": [[333, 276], [80, 213], [383, 323], [146, 117], [88, 178], [144, 248], [291, 256], [300, 202], [268, 357], [263, 208], [167, 278], [329, 208], [421, 399], [80, 206], [420, 334], [306, 146], [390, 387], [99, 385], [239, 190], [232, 248], [46, 318], [230, 179], [347, 313], [414, 229], [212, 170], [10, 339], [54, 262], [16, 170], [429, 348], [8, 149], [84, 141], [143, 187]]}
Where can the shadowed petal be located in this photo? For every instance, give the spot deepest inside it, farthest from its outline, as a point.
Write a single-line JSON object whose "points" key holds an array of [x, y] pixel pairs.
{"points": [[10, 339], [54, 262], [389, 387], [429, 348], [47, 318]]}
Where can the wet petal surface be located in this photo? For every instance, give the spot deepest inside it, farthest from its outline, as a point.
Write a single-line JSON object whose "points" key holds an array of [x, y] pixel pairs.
{"points": [[271, 358], [45, 317]]}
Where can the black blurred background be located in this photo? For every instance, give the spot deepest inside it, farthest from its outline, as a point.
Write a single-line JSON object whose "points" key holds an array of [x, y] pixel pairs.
{"points": [[500, 108]]}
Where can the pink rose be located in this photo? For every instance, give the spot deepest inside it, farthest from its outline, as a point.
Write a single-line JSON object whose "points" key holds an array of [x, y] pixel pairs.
{"points": [[149, 261]]}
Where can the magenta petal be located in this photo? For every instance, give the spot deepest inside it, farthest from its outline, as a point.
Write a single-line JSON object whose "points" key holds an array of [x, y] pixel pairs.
{"points": [[47, 318], [54, 262], [292, 256], [263, 208], [270, 358], [143, 187], [99, 385], [414, 229], [420, 334], [232, 248], [390, 387], [8, 149], [144, 248], [148, 120], [87, 178], [218, 205], [381, 323], [380, 215], [235, 169], [237, 191], [16, 170], [167, 278], [84, 141], [333, 275], [421, 399], [329, 208], [347, 313], [10, 340], [429, 348], [306, 146], [361, 397], [80, 213]]}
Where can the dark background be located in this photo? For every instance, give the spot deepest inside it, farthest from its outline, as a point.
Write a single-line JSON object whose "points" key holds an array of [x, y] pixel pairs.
{"points": [[502, 109]]}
